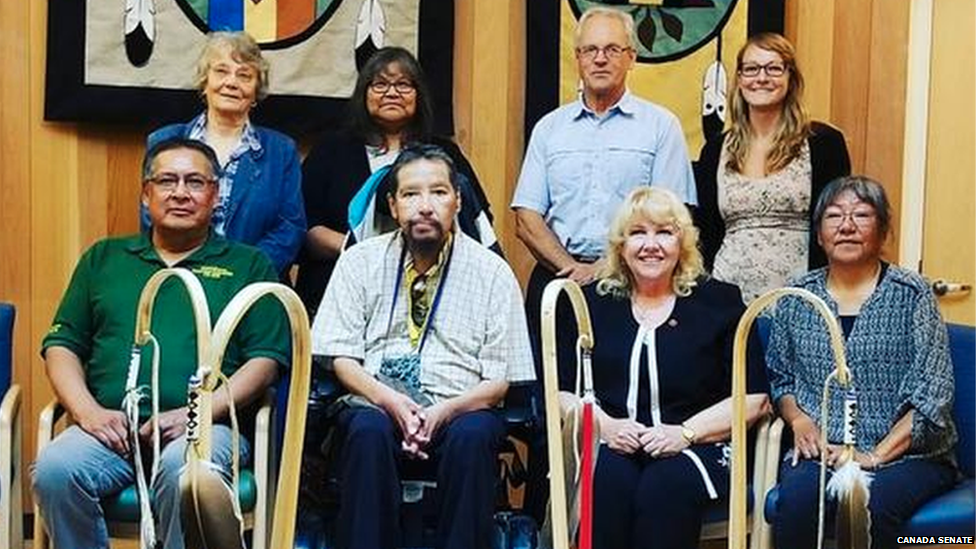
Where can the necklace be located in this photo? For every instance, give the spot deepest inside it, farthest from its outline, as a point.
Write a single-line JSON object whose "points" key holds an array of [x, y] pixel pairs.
{"points": [[652, 315]]}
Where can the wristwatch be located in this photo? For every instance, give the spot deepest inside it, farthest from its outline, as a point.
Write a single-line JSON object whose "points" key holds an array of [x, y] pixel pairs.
{"points": [[688, 434]]}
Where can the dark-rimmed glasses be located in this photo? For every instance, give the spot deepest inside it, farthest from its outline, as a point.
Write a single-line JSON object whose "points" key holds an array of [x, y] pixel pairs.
{"points": [[772, 70], [403, 87]]}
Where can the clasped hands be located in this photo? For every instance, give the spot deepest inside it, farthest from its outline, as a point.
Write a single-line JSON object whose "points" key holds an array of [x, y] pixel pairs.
{"points": [[417, 424], [629, 437], [111, 428]]}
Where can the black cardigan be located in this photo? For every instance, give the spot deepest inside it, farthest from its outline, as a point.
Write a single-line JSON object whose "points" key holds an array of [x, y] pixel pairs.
{"points": [[828, 160]]}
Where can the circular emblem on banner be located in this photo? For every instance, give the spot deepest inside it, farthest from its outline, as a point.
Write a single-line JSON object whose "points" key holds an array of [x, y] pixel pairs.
{"points": [[671, 29], [279, 25]]}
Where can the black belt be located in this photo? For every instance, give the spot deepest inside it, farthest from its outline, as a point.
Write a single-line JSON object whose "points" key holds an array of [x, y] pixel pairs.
{"points": [[585, 258]]}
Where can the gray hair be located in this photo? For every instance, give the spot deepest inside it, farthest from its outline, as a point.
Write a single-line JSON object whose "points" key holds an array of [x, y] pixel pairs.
{"points": [[624, 17], [866, 190], [243, 49]]}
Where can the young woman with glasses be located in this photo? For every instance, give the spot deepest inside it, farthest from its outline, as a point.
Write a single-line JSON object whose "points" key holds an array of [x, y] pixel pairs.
{"points": [[757, 182]]}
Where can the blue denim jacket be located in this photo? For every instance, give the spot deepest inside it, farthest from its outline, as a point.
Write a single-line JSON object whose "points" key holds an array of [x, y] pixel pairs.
{"points": [[266, 208]]}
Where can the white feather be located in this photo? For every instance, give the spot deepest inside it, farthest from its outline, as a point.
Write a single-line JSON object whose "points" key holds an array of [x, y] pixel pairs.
{"points": [[371, 23], [140, 12], [713, 90], [848, 477]]}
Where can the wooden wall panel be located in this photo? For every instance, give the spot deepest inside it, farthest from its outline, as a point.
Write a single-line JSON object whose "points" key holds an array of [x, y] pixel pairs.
{"points": [[489, 103], [854, 58], [884, 139], [809, 25], [15, 193]]}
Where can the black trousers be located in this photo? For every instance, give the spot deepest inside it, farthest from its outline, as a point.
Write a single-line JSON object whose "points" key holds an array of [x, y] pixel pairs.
{"points": [[641, 502], [466, 455], [896, 492]]}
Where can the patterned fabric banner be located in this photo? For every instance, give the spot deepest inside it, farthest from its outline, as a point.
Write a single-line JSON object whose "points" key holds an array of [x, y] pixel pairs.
{"points": [[134, 61]]}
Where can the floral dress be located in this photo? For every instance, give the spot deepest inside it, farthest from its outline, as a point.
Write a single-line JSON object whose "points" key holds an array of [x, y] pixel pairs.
{"points": [[767, 227]]}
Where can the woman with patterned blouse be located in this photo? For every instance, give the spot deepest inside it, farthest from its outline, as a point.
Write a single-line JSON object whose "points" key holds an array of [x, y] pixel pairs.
{"points": [[897, 350]]}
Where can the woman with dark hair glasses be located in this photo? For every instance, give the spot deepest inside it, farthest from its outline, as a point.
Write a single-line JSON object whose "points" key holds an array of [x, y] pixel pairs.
{"points": [[390, 109]]}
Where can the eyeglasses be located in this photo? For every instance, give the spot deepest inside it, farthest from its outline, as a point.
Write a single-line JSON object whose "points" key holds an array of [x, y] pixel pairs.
{"points": [[403, 87], [612, 51], [833, 219], [772, 70], [195, 182]]}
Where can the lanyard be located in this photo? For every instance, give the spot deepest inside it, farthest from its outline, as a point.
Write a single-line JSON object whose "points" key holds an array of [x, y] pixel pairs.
{"points": [[437, 293]]}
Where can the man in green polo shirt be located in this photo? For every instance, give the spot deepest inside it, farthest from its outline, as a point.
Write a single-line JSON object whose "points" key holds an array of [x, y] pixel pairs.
{"points": [[87, 350]]}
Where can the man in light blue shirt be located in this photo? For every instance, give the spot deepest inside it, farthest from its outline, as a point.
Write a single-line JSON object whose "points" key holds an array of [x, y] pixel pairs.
{"points": [[584, 157]]}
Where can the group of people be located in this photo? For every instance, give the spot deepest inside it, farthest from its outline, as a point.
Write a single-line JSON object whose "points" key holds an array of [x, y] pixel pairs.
{"points": [[424, 323]]}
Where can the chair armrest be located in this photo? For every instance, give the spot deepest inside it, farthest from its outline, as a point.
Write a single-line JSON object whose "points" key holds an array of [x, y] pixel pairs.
{"points": [[521, 407], [326, 387], [11, 517], [262, 470], [758, 476], [762, 531], [46, 421]]}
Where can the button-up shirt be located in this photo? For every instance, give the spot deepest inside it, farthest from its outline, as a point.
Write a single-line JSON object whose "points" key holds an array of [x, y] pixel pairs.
{"points": [[579, 167]]}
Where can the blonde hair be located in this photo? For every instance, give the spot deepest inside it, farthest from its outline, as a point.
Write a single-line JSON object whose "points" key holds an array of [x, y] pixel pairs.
{"points": [[243, 49], [624, 17], [794, 123], [661, 207]]}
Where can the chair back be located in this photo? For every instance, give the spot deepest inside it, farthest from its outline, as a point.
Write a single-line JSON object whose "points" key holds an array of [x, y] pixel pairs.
{"points": [[962, 345], [7, 314]]}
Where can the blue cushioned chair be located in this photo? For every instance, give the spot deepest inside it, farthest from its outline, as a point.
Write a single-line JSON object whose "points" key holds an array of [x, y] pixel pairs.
{"points": [[952, 513], [11, 518]]}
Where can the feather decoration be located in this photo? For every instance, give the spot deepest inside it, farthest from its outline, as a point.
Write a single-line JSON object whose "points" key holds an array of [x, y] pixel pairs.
{"points": [[714, 100], [713, 90], [370, 31], [139, 26], [850, 487]]}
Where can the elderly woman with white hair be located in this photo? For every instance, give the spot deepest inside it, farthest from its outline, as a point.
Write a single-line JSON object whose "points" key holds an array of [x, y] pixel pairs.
{"points": [[662, 372], [260, 195]]}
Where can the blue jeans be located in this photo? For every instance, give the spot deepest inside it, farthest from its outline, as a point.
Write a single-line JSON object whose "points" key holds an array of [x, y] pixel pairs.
{"points": [[75, 471]]}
